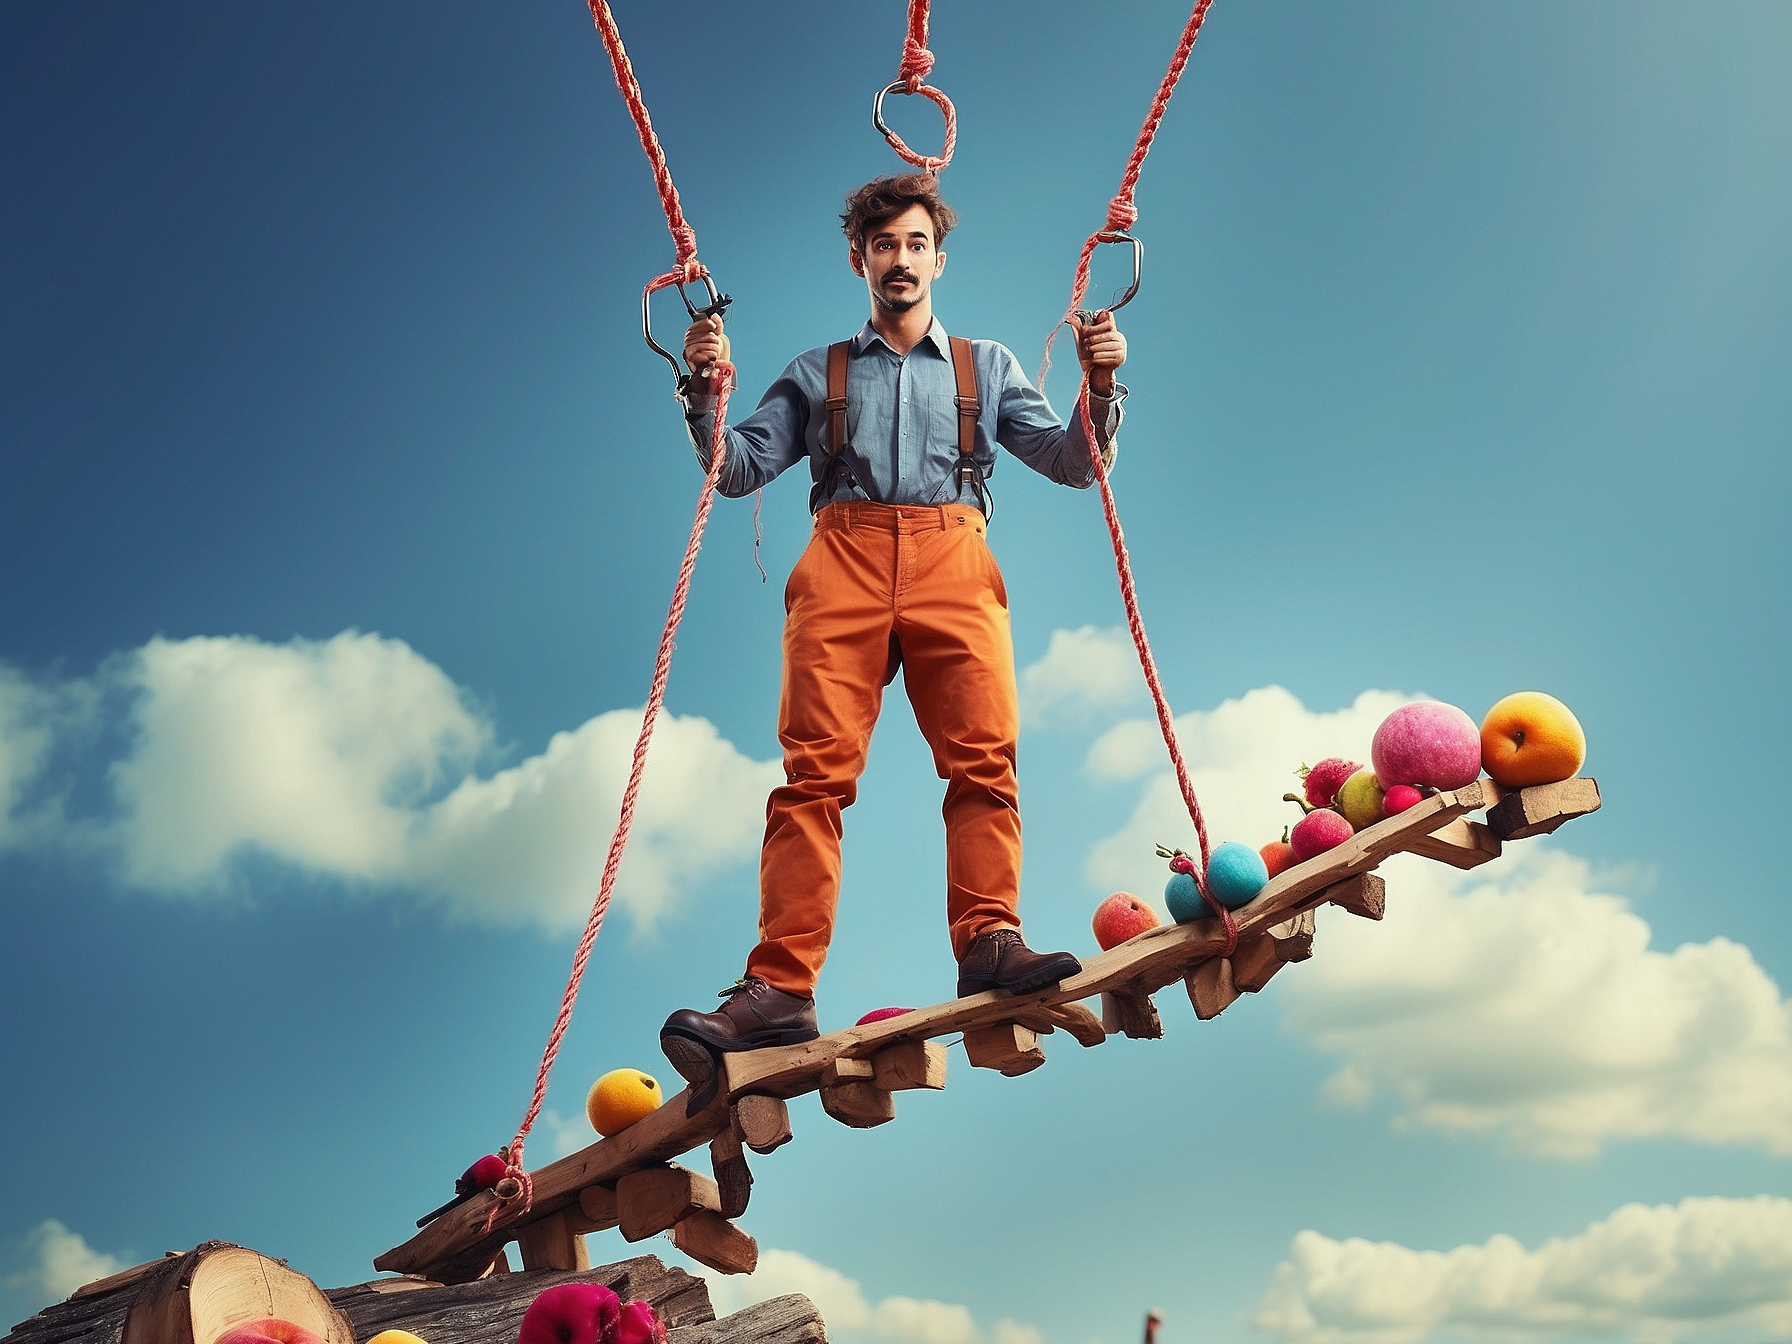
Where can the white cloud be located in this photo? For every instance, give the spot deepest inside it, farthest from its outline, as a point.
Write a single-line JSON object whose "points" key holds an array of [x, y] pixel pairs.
{"points": [[62, 1261], [354, 757], [1522, 1000], [843, 1305], [1653, 1275], [1083, 670]]}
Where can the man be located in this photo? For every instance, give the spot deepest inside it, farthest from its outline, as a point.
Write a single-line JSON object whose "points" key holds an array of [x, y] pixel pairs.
{"points": [[896, 574]]}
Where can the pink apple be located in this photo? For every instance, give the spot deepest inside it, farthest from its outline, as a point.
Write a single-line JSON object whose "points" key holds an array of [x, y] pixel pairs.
{"points": [[483, 1174], [1399, 798], [881, 1015], [572, 1313], [268, 1330], [1317, 832], [1120, 917], [1323, 781], [1427, 743], [639, 1325]]}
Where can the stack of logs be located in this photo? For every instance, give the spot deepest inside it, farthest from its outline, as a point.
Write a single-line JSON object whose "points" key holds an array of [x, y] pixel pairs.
{"points": [[629, 1180]]}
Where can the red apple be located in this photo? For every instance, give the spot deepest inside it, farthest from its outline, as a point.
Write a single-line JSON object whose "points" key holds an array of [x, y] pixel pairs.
{"points": [[483, 1174], [1325, 779], [1399, 798], [1278, 855], [1120, 917], [572, 1313], [639, 1325], [1317, 832]]}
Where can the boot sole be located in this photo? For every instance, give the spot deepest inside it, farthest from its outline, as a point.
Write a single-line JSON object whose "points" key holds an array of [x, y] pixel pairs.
{"points": [[1050, 974], [697, 1057]]}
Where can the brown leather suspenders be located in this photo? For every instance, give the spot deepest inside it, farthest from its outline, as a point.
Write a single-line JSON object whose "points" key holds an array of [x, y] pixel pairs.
{"points": [[833, 439]]}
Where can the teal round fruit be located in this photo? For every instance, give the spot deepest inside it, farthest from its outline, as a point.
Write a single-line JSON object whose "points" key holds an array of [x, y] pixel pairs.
{"points": [[1184, 898], [1235, 874]]}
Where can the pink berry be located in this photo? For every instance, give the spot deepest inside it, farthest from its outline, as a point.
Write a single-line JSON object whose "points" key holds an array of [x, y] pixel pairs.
{"points": [[1398, 799], [1325, 779], [1317, 832]]}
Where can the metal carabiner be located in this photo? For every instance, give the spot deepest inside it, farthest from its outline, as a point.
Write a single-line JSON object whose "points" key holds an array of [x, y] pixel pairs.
{"points": [[1138, 265], [717, 305], [895, 141]]}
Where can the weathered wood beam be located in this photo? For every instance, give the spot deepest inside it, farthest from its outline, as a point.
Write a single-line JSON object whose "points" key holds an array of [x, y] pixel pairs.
{"points": [[1006, 1047], [551, 1243], [650, 1201], [595, 1210], [859, 1104], [1210, 987], [1082, 1024], [1365, 896], [1261, 956], [1541, 808], [909, 1065], [1127, 1010], [712, 1240], [1461, 844]]}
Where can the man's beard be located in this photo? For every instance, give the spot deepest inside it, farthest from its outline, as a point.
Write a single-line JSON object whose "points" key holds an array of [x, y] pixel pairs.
{"points": [[889, 303]]}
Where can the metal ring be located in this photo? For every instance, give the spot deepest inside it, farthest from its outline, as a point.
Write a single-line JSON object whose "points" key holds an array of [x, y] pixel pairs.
{"points": [[1138, 263], [718, 303], [877, 105]]}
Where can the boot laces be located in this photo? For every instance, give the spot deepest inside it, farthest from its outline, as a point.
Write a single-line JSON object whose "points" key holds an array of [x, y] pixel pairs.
{"points": [[750, 985]]}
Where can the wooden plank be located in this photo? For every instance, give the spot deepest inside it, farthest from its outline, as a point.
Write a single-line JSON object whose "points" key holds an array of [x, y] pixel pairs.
{"points": [[762, 1123], [1461, 844], [1006, 1047], [1211, 988], [1541, 808], [1260, 957], [1084, 1025], [551, 1243], [450, 1248], [1129, 1011], [1365, 896], [712, 1240], [734, 1178], [861, 1105], [650, 1201], [909, 1065], [842, 1070]]}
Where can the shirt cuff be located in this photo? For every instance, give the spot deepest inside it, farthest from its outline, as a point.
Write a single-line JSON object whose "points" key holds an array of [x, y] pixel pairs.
{"points": [[1120, 390]]}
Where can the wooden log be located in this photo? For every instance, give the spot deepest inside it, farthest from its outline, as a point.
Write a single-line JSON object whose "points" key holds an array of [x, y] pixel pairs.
{"points": [[842, 1070], [1365, 896], [1461, 844], [734, 1178], [1260, 957], [1541, 808], [650, 1201], [490, 1310], [194, 1298], [455, 1248], [762, 1123], [551, 1243], [712, 1240], [861, 1105], [1006, 1047], [911, 1064], [1211, 988], [1129, 1011], [596, 1209], [791, 1319]]}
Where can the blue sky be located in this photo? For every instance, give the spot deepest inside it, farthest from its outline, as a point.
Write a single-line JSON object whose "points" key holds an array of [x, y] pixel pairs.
{"points": [[340, 502]]}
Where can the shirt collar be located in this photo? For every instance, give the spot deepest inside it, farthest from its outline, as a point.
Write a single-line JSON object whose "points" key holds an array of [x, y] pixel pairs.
{"points": [[936, 334]]}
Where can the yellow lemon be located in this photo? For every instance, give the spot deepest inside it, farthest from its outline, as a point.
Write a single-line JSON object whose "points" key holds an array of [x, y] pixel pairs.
{"points": [[619, 1098], [395, 1337]]}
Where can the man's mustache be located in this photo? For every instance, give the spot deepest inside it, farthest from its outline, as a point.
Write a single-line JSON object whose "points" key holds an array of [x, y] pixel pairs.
{"points": [[909, 276]]}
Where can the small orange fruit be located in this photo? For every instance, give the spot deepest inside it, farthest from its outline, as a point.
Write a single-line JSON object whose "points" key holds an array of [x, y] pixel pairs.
{"points": [[619, 1098], [1532, 738]]}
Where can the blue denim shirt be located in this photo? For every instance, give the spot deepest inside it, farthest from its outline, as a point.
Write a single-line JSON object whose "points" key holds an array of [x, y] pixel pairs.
{"points": [[902, 424]]}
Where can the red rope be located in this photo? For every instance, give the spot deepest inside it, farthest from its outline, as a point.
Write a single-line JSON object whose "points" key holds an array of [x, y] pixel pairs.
{"points": [[917, 61], [1122, 213], [686, 269]]}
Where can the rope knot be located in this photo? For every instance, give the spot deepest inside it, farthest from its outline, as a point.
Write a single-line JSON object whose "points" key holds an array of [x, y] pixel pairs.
{"points": [[917, 63], [1122, 214]]}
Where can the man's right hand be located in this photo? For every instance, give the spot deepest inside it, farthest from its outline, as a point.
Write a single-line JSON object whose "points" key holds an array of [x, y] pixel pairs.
{"points": [[705, 344]]}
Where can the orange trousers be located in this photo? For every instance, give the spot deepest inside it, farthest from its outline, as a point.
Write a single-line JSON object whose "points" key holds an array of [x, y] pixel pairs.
{"points": [[883, 586]]}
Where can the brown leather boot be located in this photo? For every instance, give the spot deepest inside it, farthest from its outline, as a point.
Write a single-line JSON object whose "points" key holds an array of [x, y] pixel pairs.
{"points": [[754, 1015], [1000, 960]]}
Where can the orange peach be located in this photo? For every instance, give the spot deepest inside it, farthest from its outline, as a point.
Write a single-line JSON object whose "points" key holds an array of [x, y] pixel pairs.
{"points": [[1532, 738]]}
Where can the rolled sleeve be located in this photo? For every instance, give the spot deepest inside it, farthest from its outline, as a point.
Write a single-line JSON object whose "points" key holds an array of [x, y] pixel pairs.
{"points": [[759, 448]]}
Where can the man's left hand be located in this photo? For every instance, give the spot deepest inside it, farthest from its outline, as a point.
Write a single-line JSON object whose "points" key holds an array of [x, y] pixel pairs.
{"points": [[1101, 349]]}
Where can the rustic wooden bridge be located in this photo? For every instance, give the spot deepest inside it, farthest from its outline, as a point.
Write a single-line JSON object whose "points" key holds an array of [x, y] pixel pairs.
{"points": [[629, 1180]]}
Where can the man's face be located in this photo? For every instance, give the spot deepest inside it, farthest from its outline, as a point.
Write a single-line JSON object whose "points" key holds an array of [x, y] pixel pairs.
{"points": [[899, 260]]}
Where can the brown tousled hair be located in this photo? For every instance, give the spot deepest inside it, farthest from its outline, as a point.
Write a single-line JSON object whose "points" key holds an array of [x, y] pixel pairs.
{"points": [[883, 199]]}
